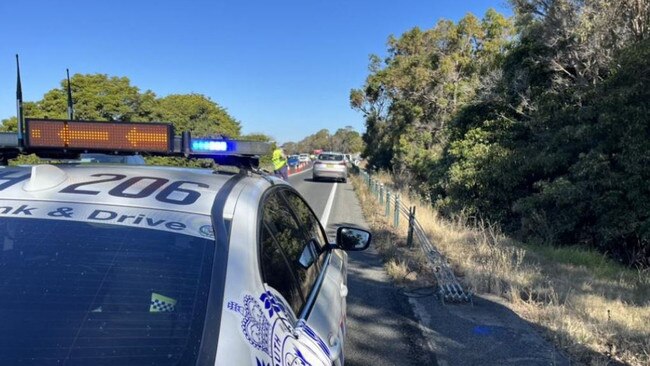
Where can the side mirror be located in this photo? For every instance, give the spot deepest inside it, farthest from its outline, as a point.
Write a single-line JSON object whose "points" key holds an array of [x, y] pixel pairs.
{"points": [[352, 239]]}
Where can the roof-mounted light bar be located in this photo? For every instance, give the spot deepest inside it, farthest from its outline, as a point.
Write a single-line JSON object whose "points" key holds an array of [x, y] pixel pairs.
{"points": [[66, 139]]}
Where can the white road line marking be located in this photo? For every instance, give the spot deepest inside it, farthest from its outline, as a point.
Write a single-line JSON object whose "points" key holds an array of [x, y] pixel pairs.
{"points": [[328, 207]]}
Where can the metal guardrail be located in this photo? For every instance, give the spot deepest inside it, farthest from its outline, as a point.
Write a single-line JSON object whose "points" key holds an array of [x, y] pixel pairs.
{"points": [[449, 288]]}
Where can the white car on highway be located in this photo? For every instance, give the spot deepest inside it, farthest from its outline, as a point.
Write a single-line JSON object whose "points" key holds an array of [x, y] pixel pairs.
{"points": [[330, 165], [141, 265], [304, 158]]}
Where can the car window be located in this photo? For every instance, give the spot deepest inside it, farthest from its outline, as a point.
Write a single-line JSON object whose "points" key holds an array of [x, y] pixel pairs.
{"points": [[294, 245], [277, 271], [330, 157], [77, 293], [309, 222]]}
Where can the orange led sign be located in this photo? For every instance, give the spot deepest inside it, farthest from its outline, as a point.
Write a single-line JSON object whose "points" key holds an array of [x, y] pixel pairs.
{"points": [[84, 135]]}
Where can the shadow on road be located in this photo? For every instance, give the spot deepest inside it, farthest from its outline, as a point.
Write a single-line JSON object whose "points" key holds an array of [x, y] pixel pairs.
{"points": [[323, 180], [390, 325]]}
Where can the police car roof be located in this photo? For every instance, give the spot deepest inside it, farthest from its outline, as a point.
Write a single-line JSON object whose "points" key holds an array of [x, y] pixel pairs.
{"points": [[162, 188]]}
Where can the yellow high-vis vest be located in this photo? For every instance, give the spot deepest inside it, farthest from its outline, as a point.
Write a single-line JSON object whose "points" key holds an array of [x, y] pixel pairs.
{"points": [[277, 159]]}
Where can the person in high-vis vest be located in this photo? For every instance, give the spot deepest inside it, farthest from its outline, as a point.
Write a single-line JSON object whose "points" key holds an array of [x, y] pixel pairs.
{"points": [[280, 164]]}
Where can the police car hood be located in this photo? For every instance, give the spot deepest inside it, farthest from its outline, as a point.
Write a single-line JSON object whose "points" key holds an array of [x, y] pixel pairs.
{"points": [[151, 197]]}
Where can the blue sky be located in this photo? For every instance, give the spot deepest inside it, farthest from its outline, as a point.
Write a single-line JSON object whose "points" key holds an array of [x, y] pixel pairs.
{"points": [[284, 68]]}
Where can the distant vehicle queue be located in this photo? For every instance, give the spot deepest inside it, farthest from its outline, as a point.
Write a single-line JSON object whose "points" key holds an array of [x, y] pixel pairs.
{"points": [[294, 159]]}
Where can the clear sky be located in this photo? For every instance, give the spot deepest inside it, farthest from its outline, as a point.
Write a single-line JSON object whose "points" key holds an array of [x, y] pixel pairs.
{"points": [[284, 68]]}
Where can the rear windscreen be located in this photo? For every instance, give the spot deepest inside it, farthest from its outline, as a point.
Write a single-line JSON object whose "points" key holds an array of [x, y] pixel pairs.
{"points": [[74, 293], [330, 157]]}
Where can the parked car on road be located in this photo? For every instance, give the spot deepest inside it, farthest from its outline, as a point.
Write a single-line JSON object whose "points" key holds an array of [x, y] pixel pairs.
{"points": [[304, 158], [293, 160], [330, 165]]}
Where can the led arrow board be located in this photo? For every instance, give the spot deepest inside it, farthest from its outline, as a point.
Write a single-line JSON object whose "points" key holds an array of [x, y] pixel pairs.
{"points": [[91, 135]]}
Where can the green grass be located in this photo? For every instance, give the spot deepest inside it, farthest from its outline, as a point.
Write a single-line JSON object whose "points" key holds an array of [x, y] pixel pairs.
{"points": [[597, 263]]}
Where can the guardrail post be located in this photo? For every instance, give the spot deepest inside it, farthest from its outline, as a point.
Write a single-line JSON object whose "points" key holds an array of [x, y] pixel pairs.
{"points": [[396, 215], [381, 194], [409, 238], [387, 203]]}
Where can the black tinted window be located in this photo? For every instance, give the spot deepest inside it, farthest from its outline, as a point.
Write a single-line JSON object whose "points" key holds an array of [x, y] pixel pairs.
{"points": [[295, 244], [310, 224], [277, 272], [91, 294]]}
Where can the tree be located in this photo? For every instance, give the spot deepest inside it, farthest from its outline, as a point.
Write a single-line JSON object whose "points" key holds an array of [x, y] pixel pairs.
{"points": [[265, 160], [424, 82], [95, 96], [543, 131], [11, 124], [198, 114], [346, 140], [257, 136]]}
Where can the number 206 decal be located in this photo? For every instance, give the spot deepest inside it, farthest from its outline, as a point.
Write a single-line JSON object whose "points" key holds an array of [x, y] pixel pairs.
{"points": [[177, 192]]}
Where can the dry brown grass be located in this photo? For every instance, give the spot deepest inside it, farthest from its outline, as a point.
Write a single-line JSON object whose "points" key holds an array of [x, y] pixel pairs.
{"points": [[596, 310]]}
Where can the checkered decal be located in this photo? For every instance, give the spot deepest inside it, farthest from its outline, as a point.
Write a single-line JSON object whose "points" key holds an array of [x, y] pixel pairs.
{"points": [[161, 304]]}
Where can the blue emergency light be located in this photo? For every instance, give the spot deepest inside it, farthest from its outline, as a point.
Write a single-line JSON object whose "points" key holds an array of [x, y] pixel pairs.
{"points": [[208, 146], [224, 151]]}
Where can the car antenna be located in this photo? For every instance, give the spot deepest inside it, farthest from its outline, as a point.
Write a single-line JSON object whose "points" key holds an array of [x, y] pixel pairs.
{"points": [[19, 103], [70, 106]]}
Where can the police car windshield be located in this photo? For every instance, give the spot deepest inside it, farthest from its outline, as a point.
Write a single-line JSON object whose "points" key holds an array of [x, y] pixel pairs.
{"points": [[78, 293]]}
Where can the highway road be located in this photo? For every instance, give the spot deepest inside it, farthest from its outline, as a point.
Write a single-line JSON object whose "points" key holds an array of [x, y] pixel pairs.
{"points": [[387, 328]]}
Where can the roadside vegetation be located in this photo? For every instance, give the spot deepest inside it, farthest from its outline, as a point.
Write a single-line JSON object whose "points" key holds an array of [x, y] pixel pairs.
{"points": [[537, 123], [345, 140], [588, 305], [524, 143]]}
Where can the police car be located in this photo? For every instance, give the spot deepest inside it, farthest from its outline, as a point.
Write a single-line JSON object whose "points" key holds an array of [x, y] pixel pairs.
{"points": [[140, 265]]}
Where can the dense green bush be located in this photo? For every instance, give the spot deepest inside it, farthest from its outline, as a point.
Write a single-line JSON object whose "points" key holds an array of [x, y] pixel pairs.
{"points": [[546, 132]]}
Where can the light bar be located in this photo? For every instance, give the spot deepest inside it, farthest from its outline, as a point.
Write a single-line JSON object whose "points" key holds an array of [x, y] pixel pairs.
{"points": [[93, 135], [207, 147]]}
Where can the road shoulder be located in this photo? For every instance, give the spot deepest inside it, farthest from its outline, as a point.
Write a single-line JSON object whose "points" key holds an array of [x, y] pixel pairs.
{"points": [[382, 327]]}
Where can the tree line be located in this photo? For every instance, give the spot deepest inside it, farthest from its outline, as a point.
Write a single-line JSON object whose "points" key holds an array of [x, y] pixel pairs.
{"points": [[538, 122], [345, 140]]}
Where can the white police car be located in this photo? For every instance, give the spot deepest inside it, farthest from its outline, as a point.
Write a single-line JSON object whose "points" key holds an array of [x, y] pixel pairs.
{"points": [[139, 265]]}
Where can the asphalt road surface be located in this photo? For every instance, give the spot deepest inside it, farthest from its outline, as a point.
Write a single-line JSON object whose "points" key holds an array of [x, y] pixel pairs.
{"points": [[385, 327]]}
